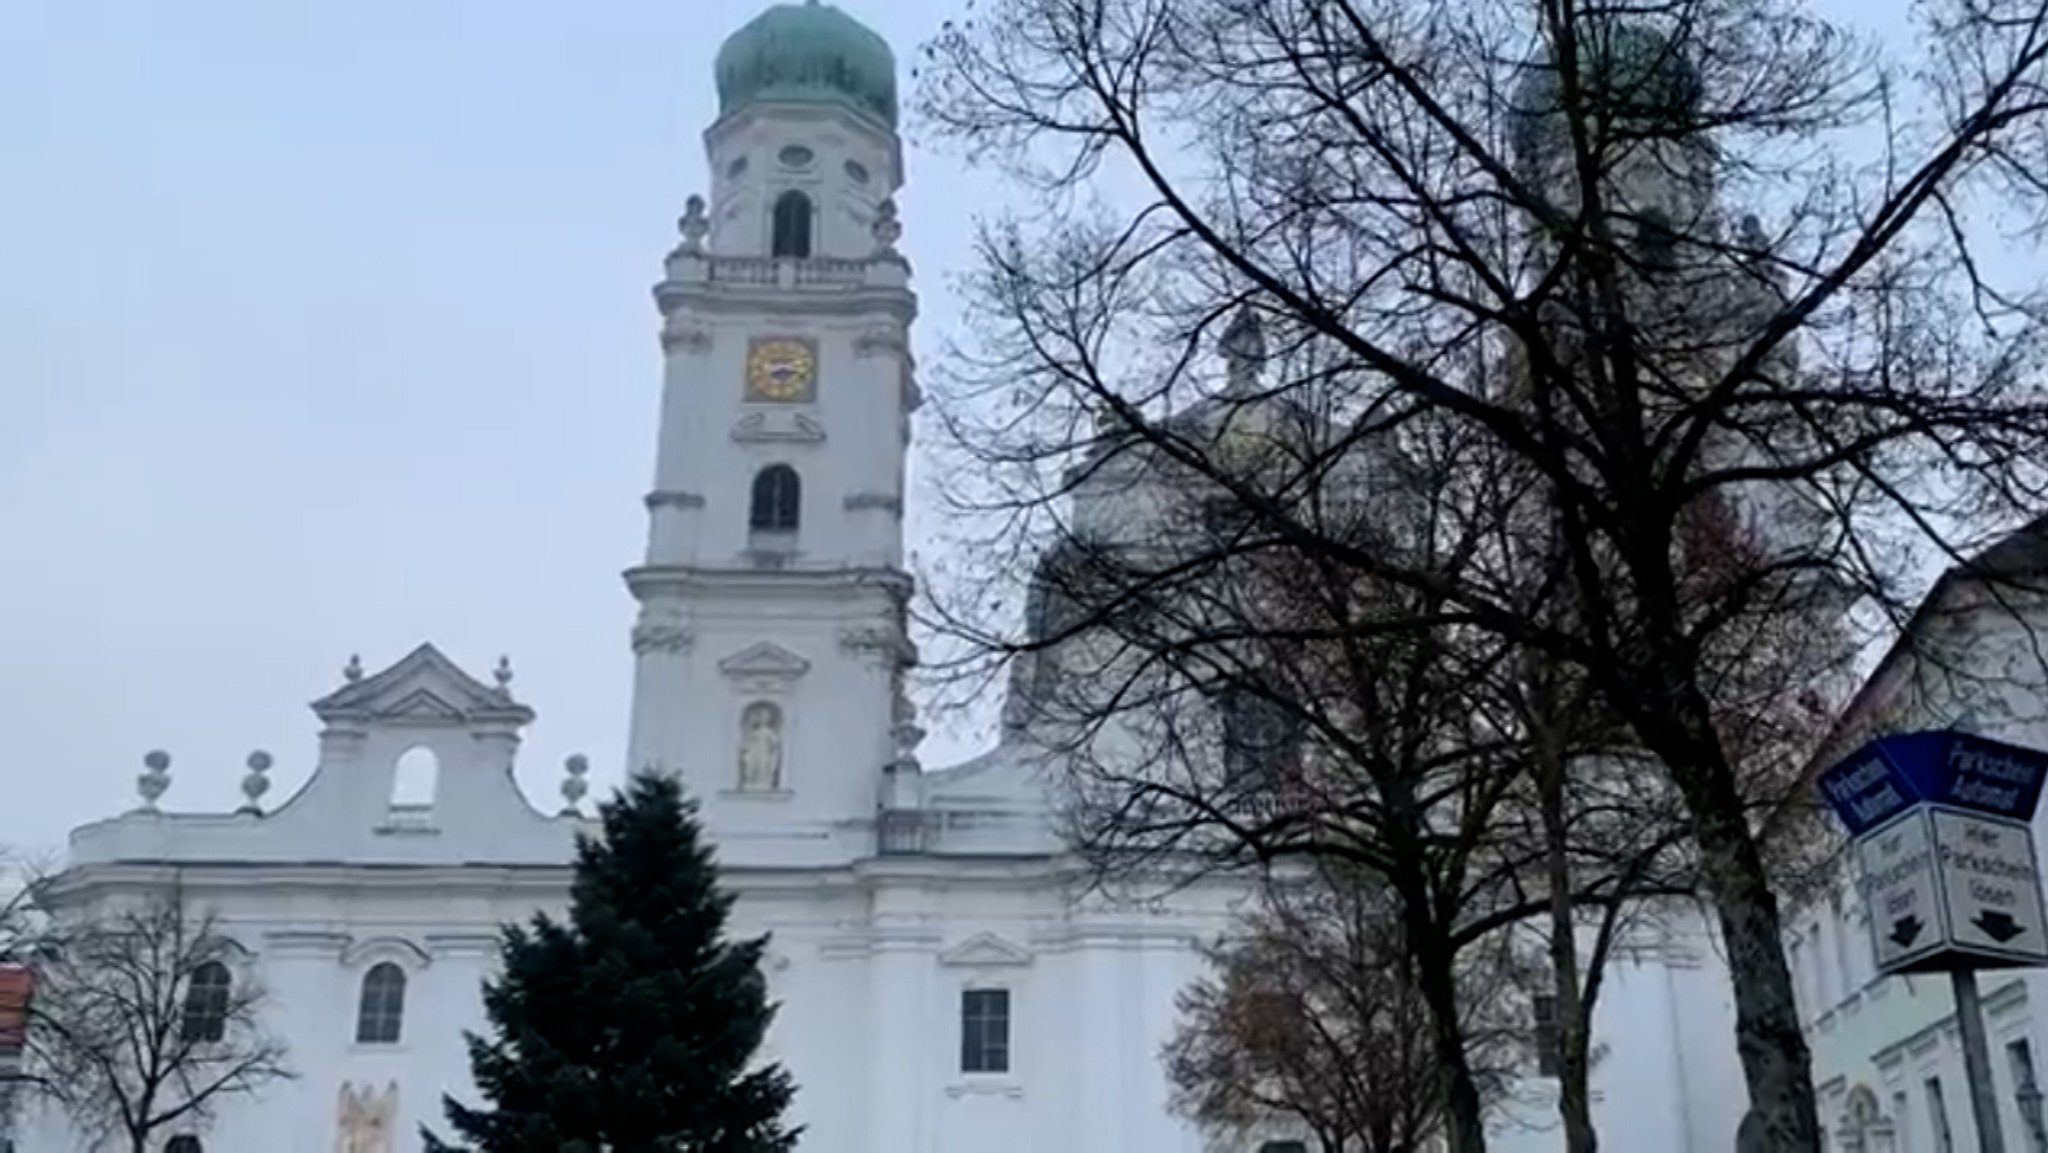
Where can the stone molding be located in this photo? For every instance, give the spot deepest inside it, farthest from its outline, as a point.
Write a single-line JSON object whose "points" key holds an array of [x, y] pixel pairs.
{"points": [[985, 951], [880, 340], [658, 637], [857, 501], [371, 950], [669, 498], [305, 943], [797, 428], [679, 336]]}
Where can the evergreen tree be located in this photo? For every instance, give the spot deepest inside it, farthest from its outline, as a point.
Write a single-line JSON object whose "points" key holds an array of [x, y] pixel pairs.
{"points": [[630, 1028]]}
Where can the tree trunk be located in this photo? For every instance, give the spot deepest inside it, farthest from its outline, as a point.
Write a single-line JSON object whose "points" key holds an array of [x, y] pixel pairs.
{"points": [[1574, 1096], [1464, 1113], [1777, 1066]]}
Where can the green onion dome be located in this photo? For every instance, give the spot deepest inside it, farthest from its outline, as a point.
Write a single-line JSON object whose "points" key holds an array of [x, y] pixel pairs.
{"points": [[808, 53], [1630, 75]]}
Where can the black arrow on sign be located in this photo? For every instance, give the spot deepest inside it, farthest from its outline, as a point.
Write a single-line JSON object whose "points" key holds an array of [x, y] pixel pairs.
{"points": [[1906, 929], [2000, 927]]}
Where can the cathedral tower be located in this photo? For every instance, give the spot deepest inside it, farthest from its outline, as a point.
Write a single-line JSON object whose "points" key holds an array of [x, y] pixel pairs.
{"points": [[771, 645]]}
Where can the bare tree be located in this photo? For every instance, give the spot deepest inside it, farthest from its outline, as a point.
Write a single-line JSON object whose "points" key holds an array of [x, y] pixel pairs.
{"points": [[1219, 696], [144, 1019], [1312, 1016], [1688, 273]]}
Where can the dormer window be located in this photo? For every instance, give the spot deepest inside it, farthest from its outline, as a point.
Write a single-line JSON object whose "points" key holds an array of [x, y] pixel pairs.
{"points": [[792, 237]]}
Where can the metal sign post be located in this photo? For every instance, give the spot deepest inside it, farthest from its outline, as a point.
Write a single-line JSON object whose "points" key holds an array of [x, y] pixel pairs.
{"points": [[1977, 1061], [1949, 876]]}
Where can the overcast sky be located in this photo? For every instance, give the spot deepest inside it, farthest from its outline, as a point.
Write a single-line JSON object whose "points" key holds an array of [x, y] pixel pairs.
{"points": [[324, 329]]}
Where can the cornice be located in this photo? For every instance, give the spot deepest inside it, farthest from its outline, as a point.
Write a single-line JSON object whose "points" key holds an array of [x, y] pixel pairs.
{"points": [[305, 943], [713, 298], [86, 881], [666, 498], [855, 502], [685, 580]]}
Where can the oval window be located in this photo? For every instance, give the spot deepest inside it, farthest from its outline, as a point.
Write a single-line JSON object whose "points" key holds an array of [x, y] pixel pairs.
{"points": [[855, 169], [734, 170], [795, 156]]}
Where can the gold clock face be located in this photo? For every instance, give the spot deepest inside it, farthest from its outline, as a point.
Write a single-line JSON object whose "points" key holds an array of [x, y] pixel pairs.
{"points": [[781, 368]]}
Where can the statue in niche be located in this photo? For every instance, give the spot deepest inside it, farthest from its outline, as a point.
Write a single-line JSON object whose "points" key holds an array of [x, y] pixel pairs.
{"points": [[761, 748], [367, 1119]]}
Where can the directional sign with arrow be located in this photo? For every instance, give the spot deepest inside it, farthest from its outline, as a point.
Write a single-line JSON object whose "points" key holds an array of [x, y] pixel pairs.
{"points": [[1901, 890], [1991, 885], [2000, 927]]}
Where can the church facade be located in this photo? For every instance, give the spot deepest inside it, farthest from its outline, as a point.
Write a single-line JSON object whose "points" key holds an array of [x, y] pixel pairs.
{"points": [[950, 978]]}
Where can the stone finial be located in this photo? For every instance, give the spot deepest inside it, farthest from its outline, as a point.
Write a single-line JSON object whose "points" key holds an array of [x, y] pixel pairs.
{"points": [[503, 674], [888, 229], [1244, 349], [155, 778], [695, 225], [256, 783], [573, 785], [353, 670]]}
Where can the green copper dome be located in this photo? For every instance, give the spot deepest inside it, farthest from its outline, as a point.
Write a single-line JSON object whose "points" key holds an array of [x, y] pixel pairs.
{"points": [[808, 53]]}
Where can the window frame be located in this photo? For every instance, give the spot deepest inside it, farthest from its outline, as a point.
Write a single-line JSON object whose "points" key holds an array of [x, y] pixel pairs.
{"points": [[775, 507], [986, 1013], [206, 1021], [1937, 1114], [387, 1013], [1546, 1034], [791, 237]]}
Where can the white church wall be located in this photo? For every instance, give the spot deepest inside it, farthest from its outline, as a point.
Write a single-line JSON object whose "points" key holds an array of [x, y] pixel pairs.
{"points": [[1665, 1074]]}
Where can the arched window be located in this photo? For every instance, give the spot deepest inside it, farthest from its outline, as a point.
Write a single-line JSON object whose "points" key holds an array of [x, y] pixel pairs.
{"points": [[413, 780], [777, 501], [380, 1013], [792, 225], [183, 1143], [206, 1002], [1259, 736]]}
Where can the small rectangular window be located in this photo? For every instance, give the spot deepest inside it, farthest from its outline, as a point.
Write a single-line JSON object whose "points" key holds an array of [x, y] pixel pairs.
{"points": [[2026, 1092], [1937, 1118], [1549, 1040], [985, 1031]]}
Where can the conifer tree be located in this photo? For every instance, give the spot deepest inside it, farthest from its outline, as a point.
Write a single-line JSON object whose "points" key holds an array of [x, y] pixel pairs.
{"points": [[633, 1026]]}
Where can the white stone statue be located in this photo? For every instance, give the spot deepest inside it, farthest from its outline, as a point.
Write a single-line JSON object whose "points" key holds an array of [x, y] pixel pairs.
{"points": [[367, 1119], [761, 748]]}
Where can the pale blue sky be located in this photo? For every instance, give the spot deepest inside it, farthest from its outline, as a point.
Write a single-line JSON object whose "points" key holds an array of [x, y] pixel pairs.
{"points": [[325, 328]]}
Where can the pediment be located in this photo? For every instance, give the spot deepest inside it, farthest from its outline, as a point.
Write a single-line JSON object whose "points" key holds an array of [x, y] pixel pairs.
{"points": [[986, 950], [424, 686], [766, 659], [424, 705]]}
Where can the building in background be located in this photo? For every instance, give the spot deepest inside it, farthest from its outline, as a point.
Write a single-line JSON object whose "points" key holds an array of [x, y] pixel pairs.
{"points": [[1887, 1055], [17, 985]]}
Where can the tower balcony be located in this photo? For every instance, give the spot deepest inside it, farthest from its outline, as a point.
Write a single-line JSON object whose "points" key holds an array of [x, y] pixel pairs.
{"points": [[715, 283]]}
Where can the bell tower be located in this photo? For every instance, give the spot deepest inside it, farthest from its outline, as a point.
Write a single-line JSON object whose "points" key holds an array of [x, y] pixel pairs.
{"points": [[771, 645]]}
